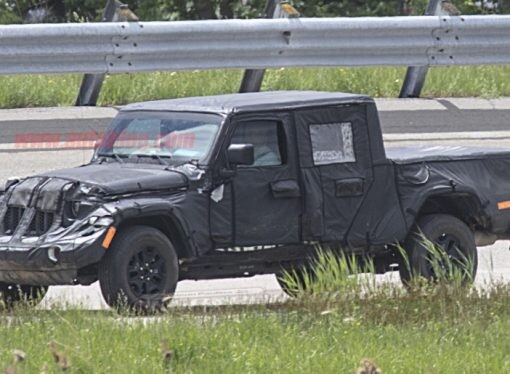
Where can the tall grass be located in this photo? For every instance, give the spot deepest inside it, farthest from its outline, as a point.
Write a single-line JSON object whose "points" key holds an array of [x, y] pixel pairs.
{"points": [[334, 274], [59, 90]]}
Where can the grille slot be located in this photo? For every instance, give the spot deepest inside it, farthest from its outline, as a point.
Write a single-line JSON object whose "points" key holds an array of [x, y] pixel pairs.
{"points": [[41, 223], [12, 218]]}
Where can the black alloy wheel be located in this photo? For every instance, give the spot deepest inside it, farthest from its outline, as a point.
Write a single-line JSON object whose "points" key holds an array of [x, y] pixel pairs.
{"points": [[140, 270], [147, 272]]}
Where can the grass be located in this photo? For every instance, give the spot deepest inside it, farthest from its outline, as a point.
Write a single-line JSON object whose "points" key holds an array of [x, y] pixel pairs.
{"points": [[432, 328], [440, 333], [60, 90]]}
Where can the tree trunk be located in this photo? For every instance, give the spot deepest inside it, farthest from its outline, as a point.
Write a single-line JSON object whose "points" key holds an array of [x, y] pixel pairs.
{"points": [[226, 10], [58, 8], [205, 9]]}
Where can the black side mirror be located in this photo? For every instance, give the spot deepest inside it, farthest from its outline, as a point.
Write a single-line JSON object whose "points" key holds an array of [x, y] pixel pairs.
{"points": [[241, 154]]}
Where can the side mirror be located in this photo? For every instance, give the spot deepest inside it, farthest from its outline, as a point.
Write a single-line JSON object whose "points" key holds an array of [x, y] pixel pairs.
{"points": [[241, 154]]}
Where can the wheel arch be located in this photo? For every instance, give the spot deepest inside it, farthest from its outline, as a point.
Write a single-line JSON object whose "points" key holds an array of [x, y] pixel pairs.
{"points": [[168, 225], [464, 205]]}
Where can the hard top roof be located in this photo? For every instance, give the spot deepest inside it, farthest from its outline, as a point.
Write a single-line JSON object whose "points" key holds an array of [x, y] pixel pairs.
{"points": [[249, 101]]}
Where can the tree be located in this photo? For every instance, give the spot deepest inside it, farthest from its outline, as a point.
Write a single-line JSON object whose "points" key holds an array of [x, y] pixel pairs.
{"points": [[15, 11]]}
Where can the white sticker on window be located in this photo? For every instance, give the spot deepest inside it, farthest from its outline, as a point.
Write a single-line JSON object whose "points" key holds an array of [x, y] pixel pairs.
{"points": [[332, 143]]}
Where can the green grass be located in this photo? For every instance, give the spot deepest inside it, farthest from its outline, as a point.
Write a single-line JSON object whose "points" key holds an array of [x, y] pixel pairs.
{"points": [[344, 319], [58, 90], [410, 333]]}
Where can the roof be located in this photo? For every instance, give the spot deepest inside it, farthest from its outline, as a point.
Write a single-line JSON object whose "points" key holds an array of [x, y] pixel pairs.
{"points": [[249, 101]]}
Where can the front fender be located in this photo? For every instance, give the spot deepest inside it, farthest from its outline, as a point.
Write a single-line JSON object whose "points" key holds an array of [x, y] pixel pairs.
{"points": [[184, 215]]}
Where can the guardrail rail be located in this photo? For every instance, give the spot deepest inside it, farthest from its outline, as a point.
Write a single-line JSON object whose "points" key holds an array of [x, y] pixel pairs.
{"points": [[100, 48]]}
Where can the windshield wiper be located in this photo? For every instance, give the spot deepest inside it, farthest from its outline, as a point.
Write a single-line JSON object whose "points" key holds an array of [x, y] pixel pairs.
{"points": [[161, 160], [111, 155]]}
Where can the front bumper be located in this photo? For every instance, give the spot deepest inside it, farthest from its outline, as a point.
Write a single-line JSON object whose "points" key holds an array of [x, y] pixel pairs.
{"points": [[38, 265]]}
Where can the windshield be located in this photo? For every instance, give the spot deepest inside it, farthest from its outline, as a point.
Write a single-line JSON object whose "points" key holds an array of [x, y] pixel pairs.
{"points": [[177, 136]]}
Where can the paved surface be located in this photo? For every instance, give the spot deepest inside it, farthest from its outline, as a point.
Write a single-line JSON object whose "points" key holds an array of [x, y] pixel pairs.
{"points": [[397, 116], [494, 266]]}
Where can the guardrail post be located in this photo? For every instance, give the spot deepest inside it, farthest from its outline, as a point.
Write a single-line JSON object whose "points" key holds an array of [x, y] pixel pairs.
{"points": [[415, 75], [91, 83], [252, 78]]}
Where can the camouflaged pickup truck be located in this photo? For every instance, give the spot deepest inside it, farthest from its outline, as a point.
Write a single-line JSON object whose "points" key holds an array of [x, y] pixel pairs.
{"points": [[244, 184]]}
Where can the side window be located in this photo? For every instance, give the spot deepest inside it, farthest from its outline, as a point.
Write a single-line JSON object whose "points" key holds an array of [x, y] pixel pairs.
{"points": [[332, 143], [267, 138]]}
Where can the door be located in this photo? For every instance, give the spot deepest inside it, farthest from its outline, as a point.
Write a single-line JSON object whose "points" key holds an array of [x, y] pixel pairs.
{"points": [[266, 195], [336, 167]]}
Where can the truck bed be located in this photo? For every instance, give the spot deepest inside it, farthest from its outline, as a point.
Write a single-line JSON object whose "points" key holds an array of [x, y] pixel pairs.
{"points": [[413, 154], [478, 172]]}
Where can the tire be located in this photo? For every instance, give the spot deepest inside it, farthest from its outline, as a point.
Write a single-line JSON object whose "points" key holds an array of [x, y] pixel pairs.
{"points": [[140, 270], [12, 294], [450, 234]]}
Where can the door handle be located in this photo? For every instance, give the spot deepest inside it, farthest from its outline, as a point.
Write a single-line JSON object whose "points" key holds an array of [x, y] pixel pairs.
{"points": [[349, 187], [285, 188]]}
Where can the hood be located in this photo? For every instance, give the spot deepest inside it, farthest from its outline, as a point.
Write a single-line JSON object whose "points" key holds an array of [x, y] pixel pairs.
{"points": [[115, 178]]}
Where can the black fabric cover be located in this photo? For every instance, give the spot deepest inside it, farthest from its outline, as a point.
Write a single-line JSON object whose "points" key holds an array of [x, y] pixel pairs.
{"points": [[285, 189], [486, 177], [408, 155], [349, 187], [22, 192], [337, 211], [260, 216], [117, 178], [249, 102], [50, 195], [222, 212]]}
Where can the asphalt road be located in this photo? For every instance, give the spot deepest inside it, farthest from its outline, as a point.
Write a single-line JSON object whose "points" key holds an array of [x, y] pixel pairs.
{"points": [[494, 266]]}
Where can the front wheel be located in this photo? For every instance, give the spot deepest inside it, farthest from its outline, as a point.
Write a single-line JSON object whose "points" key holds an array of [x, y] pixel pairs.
{"points": [[140, 270], [439, 248], [12, 294]]}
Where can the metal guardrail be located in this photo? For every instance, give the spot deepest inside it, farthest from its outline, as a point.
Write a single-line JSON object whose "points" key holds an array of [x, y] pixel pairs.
{"points": [[415, 75], [254, 44], [91, 83]]}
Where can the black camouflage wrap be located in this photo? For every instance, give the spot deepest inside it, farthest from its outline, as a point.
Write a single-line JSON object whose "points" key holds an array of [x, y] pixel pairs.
{"points": [[361, 202]]}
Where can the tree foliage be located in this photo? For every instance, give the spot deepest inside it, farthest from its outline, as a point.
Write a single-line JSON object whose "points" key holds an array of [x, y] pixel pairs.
{"points": [[17, 11]]}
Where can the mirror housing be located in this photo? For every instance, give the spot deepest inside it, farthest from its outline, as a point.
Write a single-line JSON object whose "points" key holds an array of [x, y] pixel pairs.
{"points": [[241, 154]]}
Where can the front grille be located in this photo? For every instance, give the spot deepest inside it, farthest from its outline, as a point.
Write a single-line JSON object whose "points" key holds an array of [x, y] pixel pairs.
{"points": [[41, 223], [12, 218]]}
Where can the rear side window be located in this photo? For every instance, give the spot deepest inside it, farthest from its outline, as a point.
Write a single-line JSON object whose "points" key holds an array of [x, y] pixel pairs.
{"points": [[332, 143], [267, 140]]}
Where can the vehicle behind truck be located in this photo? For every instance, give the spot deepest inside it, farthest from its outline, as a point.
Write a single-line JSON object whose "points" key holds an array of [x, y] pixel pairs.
{"points": [[245, 184]]}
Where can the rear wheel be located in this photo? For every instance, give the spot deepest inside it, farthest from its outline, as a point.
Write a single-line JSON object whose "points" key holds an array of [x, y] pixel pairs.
{"points": [[140, 270], [456, 254], [12, 294]]}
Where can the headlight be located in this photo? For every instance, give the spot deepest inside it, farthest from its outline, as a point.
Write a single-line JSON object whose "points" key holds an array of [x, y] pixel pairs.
{"points": [[80, 209]]}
